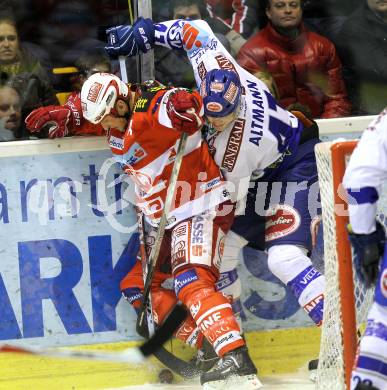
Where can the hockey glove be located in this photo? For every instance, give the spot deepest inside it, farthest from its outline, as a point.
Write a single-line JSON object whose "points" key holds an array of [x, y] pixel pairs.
{"points": [[57, 119], [185, 111], [130, 40], [367, 252]]}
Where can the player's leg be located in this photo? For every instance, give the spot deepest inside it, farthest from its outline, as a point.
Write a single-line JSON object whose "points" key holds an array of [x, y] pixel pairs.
{"points": [[132, 286], [196, 255], [229, 283], [370, 372], [293, 267], [163, 299], [289, 226]]}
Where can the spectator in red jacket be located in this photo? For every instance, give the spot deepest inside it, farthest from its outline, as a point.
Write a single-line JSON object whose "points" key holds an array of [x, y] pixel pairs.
{"points": [[303, 65]]}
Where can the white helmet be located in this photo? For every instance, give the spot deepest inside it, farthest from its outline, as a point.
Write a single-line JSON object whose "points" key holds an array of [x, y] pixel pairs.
{"points": [[99, 95]]}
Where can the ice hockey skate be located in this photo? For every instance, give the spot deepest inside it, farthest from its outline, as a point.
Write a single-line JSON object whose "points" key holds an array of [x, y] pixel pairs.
{"points": [[206, 357], [234, 370]]}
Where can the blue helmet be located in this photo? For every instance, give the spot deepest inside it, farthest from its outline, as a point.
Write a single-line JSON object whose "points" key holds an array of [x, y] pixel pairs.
{"points": [[221, 90]]}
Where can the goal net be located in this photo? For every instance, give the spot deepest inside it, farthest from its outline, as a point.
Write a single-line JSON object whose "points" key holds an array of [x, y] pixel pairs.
{"points": [[346, 301]]}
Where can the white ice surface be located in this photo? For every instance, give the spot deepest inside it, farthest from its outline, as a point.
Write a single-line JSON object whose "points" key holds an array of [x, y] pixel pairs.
{"points": [[295, 381]]}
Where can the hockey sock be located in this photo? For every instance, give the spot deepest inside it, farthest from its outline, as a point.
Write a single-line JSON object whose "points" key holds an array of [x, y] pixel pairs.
{"points": [[211, 310]]}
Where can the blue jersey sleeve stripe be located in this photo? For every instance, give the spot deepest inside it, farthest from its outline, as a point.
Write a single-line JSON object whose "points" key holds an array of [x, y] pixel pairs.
{"points": [[368, 363], [363, 195]]}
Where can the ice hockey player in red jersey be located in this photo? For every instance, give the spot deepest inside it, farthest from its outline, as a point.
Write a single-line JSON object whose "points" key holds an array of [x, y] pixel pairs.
{"points": [[62, 121], [144, 125], [67, 120]]}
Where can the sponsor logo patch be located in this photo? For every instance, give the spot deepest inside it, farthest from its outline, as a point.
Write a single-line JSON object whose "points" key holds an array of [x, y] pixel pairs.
{"points": [[179, 240], [217, 332], [94, 91], [216, 87], [231, 93], [197, 230], [221, 247], [233, 145], [140, 104], [117, 143], [194, 309], [197, 250], [214, 107], [135, 154], [281, 221], [314, 308], [210, 320], [225, 63], [202, 71], [313, 303], [132, 294], [184, 279]]}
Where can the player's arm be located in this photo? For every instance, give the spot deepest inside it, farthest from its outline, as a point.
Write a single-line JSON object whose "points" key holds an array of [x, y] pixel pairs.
{"points": [[59, 121], [195, 37], [365, 173]]}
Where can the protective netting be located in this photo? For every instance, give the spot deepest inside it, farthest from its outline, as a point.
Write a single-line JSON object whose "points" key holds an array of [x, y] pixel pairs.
{"points": [[331, 374]]}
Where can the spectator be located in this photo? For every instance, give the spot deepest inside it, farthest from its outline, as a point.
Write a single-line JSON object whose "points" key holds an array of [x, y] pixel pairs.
{"points": [[172, 66], [362, 44], [89, 64], [69, 31], [326, 17], [240, 15], [59, 121], [10, 113], [303, 65], [29, 76]]}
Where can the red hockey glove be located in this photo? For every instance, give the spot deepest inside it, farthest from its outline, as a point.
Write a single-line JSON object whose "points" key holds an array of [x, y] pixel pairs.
{"points": [[185, 110], [58, 119]]}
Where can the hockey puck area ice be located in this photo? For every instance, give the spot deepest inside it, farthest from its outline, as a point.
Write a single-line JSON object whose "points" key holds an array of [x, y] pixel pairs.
{"points": [[165, 376]]}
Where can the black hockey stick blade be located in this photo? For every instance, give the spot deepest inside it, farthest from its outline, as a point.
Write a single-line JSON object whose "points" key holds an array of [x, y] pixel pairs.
{"points": [[165, 331], [133, 355]]}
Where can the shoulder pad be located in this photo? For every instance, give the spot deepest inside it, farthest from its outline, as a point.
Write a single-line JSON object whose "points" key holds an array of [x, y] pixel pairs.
{"points": [[145, 99]]}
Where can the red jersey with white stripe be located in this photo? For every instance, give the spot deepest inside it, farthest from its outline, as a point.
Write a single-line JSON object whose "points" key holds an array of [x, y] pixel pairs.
{"points": [[147, 151]]}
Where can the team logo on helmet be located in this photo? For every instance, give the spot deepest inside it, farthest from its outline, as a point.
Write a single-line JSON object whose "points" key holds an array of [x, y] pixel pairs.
{"points": [[214, 107], [231, 93], [216, 87], [94, 92]]}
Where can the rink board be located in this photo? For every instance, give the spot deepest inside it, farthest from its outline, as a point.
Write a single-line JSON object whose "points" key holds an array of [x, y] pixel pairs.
{"points": [[69, 237]]}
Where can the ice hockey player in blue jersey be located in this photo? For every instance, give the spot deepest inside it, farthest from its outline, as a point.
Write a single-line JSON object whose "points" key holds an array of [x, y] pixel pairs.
{"points": [[364, 176], [264, 151]]}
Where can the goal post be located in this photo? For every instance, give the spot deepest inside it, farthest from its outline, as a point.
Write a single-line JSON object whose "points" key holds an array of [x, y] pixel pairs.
{"points": [[346, 301]]}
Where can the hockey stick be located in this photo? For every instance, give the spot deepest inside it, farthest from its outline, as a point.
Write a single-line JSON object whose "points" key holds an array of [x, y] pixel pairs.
{"points": [[179, 366], [135, 355], [161, 231], [185, 369], [150, 328], [150, 322]]}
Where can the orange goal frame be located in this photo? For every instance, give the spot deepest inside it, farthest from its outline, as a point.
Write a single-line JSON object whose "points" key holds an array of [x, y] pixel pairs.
{"points": [[339, 152]]}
